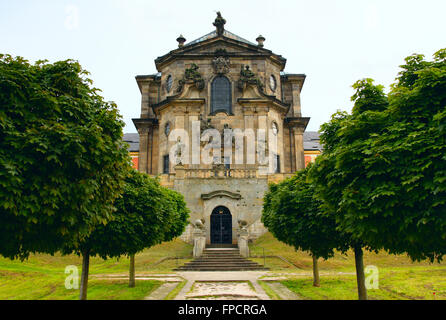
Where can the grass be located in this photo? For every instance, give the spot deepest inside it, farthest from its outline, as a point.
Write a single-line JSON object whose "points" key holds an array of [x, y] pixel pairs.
{"points": [[399, 277], [270, 292], [36, 285], [302, 261], [417, 283], [172, 294], [43, 276]]}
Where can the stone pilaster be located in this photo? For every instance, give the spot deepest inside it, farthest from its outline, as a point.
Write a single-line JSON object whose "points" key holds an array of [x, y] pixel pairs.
{"points": [[296, 81], [143, 160], [145, 129], [297, 126], [298, 133], [146, 110]]}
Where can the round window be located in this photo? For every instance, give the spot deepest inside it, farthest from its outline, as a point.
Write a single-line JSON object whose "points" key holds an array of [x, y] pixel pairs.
{"points": [[272, 83], [169, 83]]}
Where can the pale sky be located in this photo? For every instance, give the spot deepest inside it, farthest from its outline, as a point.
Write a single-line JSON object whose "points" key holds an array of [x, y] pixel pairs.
{"points": [[334, 43]]}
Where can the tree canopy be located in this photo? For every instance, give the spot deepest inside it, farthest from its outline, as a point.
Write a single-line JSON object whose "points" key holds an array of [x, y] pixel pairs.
{"points": [[147, 214], [62, 158], [383, 170], [292, 213]]}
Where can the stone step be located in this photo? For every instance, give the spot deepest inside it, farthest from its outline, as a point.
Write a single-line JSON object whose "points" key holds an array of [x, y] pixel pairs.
{"points": [[220, 246], [224, 265], [217, 259], [220, 257], [227, 251], [221, 269], [220, 260]]}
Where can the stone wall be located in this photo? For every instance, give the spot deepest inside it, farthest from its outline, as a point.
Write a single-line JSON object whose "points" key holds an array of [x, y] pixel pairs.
{"points": [[248, 208]]}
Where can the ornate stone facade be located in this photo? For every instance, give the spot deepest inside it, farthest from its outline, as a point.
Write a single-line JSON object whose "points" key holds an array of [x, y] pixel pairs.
{"points": [[190, 80]]}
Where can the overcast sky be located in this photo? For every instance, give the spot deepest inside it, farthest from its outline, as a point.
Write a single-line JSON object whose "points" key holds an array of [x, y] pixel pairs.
{"points": [[334, 43]]}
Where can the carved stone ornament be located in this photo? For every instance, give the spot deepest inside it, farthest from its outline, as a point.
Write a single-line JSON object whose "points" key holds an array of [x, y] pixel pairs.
{"points": [[199, 224], [191, 75], [221, 65], [205, 124], [248, 77]]}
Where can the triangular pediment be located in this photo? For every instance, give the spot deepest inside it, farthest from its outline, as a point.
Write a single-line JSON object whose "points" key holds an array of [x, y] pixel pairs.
{"points": [[230, 47], [207, 46]]}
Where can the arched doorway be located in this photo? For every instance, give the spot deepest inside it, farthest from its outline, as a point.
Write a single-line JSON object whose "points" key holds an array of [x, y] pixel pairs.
{"points": [[221, 226]]}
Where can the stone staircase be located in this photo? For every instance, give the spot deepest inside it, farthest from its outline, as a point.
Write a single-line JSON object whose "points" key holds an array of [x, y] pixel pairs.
{"points": [[221, 259]]}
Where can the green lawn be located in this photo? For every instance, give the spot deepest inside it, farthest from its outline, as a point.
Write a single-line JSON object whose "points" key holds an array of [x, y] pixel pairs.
{"points": [[416, 283], [35, 285], [339, 263], [43, 276]]}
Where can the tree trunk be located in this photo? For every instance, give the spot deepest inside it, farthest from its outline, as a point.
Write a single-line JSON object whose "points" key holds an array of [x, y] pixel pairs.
{"points": [[316, 281], [360, 277], [84, 278], [132, 282]]}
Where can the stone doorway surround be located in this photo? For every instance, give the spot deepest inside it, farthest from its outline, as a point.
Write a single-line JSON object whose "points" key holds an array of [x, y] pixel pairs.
{"points": [[220, 198]]}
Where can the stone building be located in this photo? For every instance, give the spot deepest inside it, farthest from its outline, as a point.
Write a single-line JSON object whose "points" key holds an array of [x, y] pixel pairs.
{"points": [[221, 82]]}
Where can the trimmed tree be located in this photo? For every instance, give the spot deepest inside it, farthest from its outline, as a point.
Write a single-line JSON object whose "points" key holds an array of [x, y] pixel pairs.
{"points": [[62, 159], [382, 172], [293, 215], [147, 214]]}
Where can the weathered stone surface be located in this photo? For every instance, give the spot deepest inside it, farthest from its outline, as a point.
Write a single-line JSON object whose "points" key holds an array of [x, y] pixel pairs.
{"points": [[255, 105]]}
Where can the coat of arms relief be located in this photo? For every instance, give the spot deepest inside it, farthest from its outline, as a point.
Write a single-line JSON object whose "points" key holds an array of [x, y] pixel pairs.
{"points": [[221, 62]]}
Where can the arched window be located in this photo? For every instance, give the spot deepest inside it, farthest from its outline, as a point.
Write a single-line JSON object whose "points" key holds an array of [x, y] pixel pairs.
{"points": [[221, 96]]}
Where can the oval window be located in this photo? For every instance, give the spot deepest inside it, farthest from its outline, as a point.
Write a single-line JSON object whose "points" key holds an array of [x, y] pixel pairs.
{"points": [[272, 83], [169, 83]]}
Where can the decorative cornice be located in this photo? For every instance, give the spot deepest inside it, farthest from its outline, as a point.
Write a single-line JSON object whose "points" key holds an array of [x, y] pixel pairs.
{"points": [[297, 122], [143, 124], [177, 100], [221, 193]]}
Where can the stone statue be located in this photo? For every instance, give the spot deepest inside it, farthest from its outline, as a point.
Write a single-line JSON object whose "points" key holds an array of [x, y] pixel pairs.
{"points": [[248, 77], [242, 224], [191, 75], [199, 224], [178, 151], [219, 24]]}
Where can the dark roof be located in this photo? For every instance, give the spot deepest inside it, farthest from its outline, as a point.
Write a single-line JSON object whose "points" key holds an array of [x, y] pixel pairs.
{"points": [[133, 140], [311, 141], [213, 34]]}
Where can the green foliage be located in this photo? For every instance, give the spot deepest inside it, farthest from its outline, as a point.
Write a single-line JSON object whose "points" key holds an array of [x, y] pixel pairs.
{"points": [[292, 214], [147, 214], [368, 97], [383, 171], [62, 159]]}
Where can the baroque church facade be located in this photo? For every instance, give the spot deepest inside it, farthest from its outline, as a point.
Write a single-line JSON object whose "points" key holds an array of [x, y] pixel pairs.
{"points": [[220, 81]]}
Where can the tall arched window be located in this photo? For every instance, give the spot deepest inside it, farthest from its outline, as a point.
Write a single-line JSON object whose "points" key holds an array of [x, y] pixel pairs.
{"points": [[221, 97]]}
